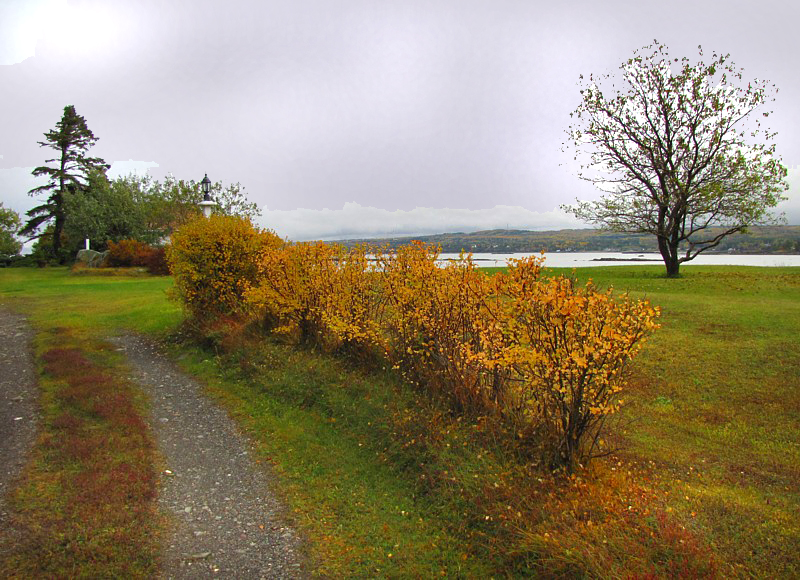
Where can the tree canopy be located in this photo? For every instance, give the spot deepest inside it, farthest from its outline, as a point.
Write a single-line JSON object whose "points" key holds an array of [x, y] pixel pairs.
{"points": [[9, 224], [105, 211], [677, 149], [172, 202], [142, 208], [71, 139], [83, 203]]}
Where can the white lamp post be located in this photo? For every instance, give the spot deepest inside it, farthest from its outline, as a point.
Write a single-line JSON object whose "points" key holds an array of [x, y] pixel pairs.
{"points": [[207, 202]]}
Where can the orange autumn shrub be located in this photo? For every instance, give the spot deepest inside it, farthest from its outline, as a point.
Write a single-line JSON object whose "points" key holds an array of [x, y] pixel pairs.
{"points": [[544, 355], [215, 261], [355, 312], [294, 283], [435, 316], [156, 261], [567, 346], [322, 294], [407, 275], [128, 253]]}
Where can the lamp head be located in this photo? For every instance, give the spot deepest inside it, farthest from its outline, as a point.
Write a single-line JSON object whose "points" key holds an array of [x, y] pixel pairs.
{"points": [[206, 184]]}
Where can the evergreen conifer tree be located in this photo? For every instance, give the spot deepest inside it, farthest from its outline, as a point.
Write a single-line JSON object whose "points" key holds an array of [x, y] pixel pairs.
{"points": [[71, 139]]}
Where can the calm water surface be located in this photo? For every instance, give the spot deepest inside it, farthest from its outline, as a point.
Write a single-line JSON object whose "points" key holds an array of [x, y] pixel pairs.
{"points": [[587, 259]]}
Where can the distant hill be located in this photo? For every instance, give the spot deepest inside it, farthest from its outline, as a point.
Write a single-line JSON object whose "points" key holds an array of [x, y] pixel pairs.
{"points": [[759, 240]]}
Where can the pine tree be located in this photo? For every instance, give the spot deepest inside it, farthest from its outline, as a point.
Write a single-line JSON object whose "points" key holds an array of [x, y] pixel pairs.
{"points": [[71, 138]]}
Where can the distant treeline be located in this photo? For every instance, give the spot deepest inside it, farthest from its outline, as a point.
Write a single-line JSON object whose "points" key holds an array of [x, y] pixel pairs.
{"points": [[758, 240]]}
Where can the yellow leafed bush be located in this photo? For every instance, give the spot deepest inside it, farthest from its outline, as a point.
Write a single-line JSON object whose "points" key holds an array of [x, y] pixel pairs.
{"points": [[567, 345], [215, 261], [322, 294], [294, 286], [355, 313], [434, 322], [544, 355]]}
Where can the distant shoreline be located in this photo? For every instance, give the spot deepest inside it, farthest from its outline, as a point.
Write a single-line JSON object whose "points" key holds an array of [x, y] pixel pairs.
{"points": [[761, 240], [615, 259], [626, 260]]}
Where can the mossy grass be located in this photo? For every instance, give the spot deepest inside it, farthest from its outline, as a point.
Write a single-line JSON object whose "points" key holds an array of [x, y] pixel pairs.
{"points": [[386, 482]]}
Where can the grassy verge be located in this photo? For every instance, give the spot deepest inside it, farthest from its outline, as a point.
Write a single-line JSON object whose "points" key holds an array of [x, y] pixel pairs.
{"points": [[330, 432], [687, 495], [387, 483]]}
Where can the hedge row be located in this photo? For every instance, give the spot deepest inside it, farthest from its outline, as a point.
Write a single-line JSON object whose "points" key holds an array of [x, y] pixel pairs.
{"points": [[544, 354]]}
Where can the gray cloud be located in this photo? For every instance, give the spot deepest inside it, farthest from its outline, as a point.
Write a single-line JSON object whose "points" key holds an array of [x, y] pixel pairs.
{"points": [[392, 105]]}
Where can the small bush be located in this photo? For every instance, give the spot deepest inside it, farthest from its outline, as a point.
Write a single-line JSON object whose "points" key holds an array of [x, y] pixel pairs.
{"points": [[126, 253], [133, 253], [323, 295], [215, 261], [434, 318], [294, 285], [156, 261], [567, 346]]}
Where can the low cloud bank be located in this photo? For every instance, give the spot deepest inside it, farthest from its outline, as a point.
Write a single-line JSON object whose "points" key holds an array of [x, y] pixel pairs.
{"points": [[357, 221]]}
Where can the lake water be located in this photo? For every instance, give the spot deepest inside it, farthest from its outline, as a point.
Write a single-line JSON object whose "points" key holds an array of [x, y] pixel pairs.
{"points": [[588, 259]]}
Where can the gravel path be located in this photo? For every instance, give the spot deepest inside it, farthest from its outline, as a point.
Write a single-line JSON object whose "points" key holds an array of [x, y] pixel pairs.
{"points": [[18, 404], [229, 524]]}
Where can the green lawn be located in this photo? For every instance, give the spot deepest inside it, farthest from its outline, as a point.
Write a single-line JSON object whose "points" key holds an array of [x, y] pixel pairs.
{"points": [[386, 483], [716, 404]]}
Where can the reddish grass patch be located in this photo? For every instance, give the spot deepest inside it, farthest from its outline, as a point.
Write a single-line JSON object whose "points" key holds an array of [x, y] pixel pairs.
{"points": [[61, 362], [613, 523], [67, 421], [113, 407], [81, 446]]}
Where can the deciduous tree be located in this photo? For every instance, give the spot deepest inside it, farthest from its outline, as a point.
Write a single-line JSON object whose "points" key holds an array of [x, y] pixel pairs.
{"points": [[105, 211], [678, 148], [170, 203], [9, 223]]}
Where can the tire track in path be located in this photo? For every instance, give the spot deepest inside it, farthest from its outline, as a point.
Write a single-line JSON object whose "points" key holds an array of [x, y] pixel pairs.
{"points": [[228, 522], [19, 394]]}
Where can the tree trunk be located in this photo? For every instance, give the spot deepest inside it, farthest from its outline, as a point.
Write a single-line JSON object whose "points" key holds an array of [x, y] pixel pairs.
{"points": [[673, 267], [669, 252], [59, 225]]}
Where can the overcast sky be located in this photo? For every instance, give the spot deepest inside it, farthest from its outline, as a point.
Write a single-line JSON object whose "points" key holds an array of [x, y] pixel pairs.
{"points": [[352, 118]]}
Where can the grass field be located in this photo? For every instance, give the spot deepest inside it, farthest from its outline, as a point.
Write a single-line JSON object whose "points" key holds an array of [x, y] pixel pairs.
{"points": [[384, 482]]}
